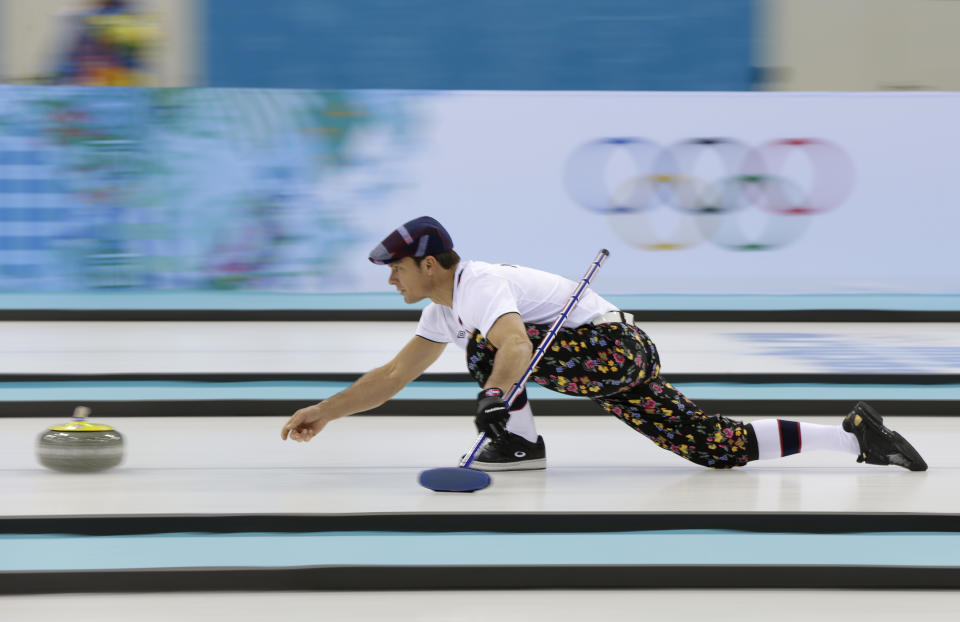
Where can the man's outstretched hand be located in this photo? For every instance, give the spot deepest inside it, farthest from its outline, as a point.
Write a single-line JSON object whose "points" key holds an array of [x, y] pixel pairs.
{"points": [[304, 424]]}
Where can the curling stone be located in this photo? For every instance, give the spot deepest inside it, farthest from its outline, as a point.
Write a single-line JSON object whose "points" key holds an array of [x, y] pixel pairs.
{"points": [[79, 446]]}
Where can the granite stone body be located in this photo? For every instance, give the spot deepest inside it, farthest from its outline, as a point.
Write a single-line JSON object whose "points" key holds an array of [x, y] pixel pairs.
{"points": [[80, 451]]}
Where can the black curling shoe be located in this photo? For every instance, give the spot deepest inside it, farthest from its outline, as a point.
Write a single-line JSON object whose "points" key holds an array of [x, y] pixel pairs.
{"points": [[879, 444], [511, 453]]}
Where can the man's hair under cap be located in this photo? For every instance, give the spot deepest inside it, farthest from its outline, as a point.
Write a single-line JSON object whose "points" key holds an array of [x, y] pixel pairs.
{"points": [[417, 238]]}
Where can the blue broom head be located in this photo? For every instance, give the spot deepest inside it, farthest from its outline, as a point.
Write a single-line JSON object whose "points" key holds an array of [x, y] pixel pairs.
{"points": [[454, 479]]}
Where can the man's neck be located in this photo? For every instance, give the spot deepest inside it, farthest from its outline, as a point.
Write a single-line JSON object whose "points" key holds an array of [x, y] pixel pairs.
{"points": [[443, 292]]}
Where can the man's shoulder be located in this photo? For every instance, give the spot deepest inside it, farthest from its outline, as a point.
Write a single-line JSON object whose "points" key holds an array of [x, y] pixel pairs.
{"points": [[480, 276], [485, 271], [474, 269]]}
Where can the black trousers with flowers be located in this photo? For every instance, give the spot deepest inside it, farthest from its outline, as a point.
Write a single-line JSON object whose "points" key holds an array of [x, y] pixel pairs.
{"points": [[617, 366]]}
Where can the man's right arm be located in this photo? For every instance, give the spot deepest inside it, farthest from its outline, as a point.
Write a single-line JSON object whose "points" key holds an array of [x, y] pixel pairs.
{"points": [[369, 391]]}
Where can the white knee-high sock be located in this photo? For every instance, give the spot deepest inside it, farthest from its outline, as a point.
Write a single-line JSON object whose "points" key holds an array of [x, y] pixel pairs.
{"points": [[777, 438], [521, 422], [829, 438]]}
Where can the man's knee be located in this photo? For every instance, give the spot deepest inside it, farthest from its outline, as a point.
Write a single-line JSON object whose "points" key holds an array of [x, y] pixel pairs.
{"points": [[718, 462]]}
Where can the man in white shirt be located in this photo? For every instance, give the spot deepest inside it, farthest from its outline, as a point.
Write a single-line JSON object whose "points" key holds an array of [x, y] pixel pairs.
{"points": [[500, 313]]}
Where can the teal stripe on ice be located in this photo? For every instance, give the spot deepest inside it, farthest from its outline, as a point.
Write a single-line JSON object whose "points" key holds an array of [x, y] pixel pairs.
{"points": [[28, 553], [787, 302], [166, 301], [272, 301], [426, 390]]}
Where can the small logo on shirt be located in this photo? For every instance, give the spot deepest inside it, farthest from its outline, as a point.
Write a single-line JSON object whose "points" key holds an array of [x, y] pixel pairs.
{"points": [[461, 334]]}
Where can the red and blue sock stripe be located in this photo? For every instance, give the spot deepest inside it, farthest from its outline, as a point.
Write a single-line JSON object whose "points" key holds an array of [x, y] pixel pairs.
{"points": [[790, 440]]}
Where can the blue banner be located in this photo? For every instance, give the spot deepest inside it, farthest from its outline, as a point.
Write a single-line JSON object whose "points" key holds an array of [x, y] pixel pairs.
{"points": [[492, 44]]}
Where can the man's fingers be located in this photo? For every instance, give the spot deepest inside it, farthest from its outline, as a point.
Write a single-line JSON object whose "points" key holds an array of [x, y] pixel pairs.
{"points": [[289, 427], [297, 430], [300, 436]]}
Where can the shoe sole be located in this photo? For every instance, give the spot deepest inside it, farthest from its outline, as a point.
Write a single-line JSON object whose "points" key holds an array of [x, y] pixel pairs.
{"points": [[526, 465], [915, 461]]}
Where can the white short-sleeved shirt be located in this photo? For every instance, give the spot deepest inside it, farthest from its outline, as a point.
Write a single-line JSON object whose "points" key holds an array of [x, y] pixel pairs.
{"points": [[482, 292]]}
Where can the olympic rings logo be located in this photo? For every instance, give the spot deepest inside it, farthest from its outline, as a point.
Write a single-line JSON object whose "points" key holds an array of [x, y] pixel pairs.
{"points": [[744, 201]]}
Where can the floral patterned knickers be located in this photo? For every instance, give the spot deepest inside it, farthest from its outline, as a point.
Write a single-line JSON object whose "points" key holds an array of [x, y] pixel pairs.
{"points": [[617, 366]]}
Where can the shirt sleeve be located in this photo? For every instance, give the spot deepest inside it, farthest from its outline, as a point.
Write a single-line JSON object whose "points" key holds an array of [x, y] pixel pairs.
{"points": [[431, 325], [487, 299]]}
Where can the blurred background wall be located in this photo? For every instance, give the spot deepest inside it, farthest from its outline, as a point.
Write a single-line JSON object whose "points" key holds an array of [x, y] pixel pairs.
{"points": [[807, 45], [36, 36], [859, 45]]}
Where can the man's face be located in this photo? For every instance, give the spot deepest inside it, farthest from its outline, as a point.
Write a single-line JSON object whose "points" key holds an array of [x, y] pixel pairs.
{"points": [[409, 279]]}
